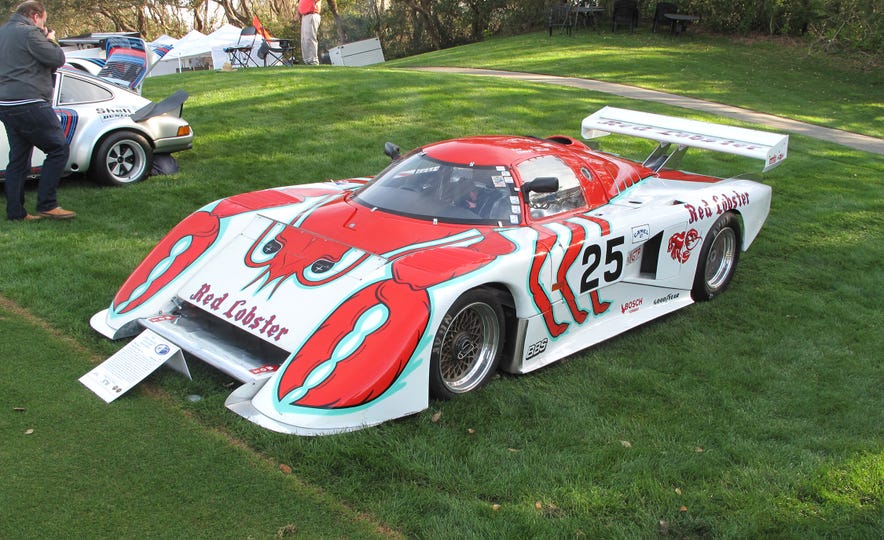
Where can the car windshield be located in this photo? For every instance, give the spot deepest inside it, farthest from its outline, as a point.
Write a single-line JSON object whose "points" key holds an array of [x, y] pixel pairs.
{"points": [[421, 187]]}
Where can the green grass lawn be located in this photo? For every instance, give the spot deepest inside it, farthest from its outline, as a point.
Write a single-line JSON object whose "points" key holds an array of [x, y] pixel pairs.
{"points": [[77, 468], [774, 77], [758, 414]]}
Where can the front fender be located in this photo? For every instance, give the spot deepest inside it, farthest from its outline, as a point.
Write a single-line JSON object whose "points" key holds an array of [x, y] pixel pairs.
{"points": [[153, 285]]}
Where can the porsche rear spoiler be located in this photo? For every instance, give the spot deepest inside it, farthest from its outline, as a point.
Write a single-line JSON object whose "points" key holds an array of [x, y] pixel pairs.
{"points": [[772, 148], [173, 103]]}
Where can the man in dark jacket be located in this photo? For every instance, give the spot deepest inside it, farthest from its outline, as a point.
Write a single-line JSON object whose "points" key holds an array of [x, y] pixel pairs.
{"points": [[29, 57]]}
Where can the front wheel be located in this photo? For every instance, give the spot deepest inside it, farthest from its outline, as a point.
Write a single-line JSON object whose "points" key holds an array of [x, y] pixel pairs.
{"points": [[467, 346], [122, 158], [718, 258]]}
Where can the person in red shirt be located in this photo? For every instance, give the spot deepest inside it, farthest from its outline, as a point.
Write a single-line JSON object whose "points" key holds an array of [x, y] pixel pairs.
{"points": [[308, 12]]}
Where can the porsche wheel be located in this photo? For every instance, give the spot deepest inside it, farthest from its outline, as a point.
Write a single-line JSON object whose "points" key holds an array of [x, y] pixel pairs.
{"points": [[718, 258], [467, 346], [122, 158]]}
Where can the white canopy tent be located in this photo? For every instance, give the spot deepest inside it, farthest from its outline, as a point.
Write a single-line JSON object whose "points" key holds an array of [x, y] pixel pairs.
{"points": [[199, 51], [226, 36], [193, 51], [164, 39]]}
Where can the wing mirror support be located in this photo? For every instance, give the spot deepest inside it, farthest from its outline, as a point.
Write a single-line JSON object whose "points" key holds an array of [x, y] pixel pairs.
{"points": [[542, 184]]}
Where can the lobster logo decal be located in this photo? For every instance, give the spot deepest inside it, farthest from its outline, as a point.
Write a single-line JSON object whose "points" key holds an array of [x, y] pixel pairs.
{"points": [[682, 244]]}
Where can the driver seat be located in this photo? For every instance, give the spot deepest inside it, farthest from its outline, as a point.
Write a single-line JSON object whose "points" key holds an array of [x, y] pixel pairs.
{"points": [[494, 204]]}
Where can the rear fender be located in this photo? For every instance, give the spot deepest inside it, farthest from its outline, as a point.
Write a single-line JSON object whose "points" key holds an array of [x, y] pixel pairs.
{"points": [[82, 155], [750, 200]]}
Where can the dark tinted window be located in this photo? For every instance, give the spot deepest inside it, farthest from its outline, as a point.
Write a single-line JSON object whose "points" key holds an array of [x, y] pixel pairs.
{"points": [[418, 186]]}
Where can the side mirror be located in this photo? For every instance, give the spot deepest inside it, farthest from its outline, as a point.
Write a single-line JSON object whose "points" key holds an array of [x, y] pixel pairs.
{"points": [[541, 184], [391, 150]]}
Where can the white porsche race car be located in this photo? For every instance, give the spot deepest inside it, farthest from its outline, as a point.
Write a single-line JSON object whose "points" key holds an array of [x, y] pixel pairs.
{"points": [[115, 135]]}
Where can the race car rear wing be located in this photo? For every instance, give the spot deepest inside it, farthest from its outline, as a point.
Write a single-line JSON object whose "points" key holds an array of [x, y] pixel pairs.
{"points": [[668, 130]]}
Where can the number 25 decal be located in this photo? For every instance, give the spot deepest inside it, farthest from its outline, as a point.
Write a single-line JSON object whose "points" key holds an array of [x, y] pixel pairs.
{"points": [[592, 259]]}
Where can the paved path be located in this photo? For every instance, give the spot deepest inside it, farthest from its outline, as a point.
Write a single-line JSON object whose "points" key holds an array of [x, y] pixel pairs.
{"points": [[846, 138]]}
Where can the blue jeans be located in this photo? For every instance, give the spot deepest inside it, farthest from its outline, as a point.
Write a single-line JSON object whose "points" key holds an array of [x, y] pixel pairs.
{"points": [[28, 126]]}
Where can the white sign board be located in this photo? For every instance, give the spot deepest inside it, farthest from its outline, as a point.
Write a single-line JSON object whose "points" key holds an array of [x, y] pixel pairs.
{"points": [[358, 53], [131, 364]]}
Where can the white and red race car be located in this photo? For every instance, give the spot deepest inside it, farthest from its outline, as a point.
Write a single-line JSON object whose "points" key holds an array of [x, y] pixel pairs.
{"points": [[344, 304]]}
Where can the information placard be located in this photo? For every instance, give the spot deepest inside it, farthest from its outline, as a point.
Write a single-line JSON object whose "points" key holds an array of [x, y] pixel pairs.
{"points": [[131, 364]]}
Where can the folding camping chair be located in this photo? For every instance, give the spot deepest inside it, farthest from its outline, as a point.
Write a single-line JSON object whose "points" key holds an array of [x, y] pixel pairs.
{"points": [[283, 53], [273, 51], [240, 55], [559, 16], [625, 12]]}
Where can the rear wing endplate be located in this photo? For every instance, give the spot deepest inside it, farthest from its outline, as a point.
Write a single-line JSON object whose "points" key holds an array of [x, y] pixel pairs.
{"points": [[772, 148]]}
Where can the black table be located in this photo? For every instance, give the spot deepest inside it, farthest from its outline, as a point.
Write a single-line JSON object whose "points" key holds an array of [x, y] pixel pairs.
{"points": [[588, 12], [680, 21]]}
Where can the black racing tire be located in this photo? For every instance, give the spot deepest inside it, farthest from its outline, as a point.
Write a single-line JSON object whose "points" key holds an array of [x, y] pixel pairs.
{"points": [[123, 157], [718, 258], [468, 345]]}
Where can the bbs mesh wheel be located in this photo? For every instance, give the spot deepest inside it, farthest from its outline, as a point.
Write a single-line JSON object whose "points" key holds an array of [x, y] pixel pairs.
{"points": [[468, 345]]}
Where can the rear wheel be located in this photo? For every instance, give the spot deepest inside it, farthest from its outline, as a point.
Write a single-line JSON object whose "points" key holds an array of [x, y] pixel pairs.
{"points": [[718, 258], [468, 345], [122, 158]]}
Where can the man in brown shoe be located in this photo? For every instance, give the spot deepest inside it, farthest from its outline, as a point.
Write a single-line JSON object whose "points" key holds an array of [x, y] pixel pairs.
{"points": [[58, 213], [29, 55]]}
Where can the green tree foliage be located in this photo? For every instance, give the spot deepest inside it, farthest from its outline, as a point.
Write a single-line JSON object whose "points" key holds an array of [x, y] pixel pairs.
{"points": [[855, 24], [407, 27], [413, 26]]}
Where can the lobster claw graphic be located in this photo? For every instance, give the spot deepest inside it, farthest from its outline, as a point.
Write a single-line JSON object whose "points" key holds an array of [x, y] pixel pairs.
{"points": [[178, 250], [185, 243], [359, 351]]}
